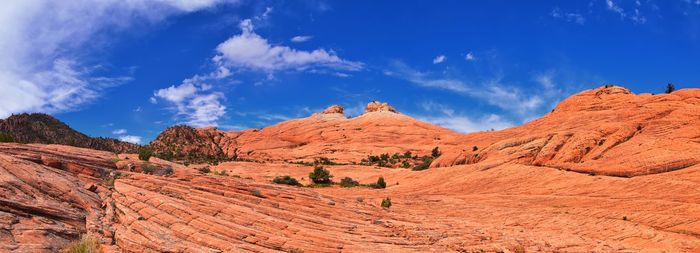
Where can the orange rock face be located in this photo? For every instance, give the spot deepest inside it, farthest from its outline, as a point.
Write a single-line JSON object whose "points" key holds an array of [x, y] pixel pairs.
{"points": [[606, 171]]}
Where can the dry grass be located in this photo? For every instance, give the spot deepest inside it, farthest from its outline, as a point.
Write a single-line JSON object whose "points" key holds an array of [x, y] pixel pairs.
{"points": [[87, 244]]}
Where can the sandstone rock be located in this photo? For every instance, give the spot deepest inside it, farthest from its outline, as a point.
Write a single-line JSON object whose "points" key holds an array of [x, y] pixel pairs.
{"points": [[333, 109], [376, 106]]}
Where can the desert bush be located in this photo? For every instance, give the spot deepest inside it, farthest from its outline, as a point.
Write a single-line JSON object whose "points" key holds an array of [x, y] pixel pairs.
{"points": [[324, 161], [384, 157], [87, 244], [396, 156], [407, 154], [670, 88], [6, 137], [145, 154], [380, 184], [386, 203], [221, 173], [286, 180], [436, 152], [148, 169], [425, 164], [475, 148], [320, 176], [204, 170], [405, 164], [348, 182]]}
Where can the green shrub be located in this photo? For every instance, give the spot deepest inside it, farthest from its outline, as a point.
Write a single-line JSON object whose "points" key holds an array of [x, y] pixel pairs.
{"points": [[405, 164], [384, 157], [436, 152], [87, 244], [348, 182], [6, 137], [145, 154], [204, 170], [425, 165], [286, 180], [320, 176], [380, 184], [407, 154], [386, 203], [148, 169], [670, 88]]}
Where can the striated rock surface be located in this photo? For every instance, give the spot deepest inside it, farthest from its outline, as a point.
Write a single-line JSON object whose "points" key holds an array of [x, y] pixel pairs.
{"points": [[333, 109], [608, 131], [606, 171]]}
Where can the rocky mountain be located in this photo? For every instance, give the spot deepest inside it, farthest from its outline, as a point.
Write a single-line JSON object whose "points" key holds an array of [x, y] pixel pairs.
{"points": [[606, 171], [43, 128], [329, 134]]}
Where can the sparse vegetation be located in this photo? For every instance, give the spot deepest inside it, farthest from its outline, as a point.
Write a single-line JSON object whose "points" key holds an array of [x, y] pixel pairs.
{"points": [[427, 160], [204, 170], [148, 169], [6, 137], [386, 203], [288, 180], [221, 173], [145, 154], [86, 244], [348, 182], [475, 148], [670, 88], [624, 218], [320, 176], [436, 152], [380, 184]]}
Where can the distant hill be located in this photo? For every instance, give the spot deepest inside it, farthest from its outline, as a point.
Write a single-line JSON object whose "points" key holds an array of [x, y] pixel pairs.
{"points": [[44, 128]]}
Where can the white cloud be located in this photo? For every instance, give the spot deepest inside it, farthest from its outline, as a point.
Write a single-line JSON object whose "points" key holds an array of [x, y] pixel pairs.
{"points": [[130, 138], [250, 51], [45, 46], [119, 131], [445, 116], [470, 57], [493, 92], [571, 17], [439, 59], [300, 38], [195, 102], [612, 6]]}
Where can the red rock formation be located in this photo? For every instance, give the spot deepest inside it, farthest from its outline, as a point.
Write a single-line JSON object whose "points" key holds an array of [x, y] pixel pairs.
{"points": [[520, 189]]}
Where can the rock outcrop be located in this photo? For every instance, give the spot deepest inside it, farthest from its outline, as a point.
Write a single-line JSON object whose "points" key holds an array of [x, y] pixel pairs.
{"points": [[43, 128], [333, 109], [376, 106]]}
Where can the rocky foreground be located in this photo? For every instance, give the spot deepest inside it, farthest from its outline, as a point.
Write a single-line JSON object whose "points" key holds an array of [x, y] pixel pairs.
{"points": [[606, 171]]}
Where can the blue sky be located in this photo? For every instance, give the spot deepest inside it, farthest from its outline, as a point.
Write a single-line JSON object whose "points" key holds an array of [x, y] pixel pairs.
{"points": [[129, 69]]}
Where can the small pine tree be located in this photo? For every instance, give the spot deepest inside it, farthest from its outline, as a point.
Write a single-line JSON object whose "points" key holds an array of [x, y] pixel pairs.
{"points": [[670, 88]]}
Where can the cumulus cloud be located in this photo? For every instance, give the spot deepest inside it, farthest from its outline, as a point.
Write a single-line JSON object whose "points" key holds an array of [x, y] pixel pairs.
{"points": [[249, 50], [131, 139], [439, 59], [194, 101], [119, 131], [301, 38], [45, 46]]}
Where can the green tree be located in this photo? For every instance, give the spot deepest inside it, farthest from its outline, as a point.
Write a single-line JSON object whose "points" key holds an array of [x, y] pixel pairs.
{"points": [[145, 154], [320, 176], [670, 88]]}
